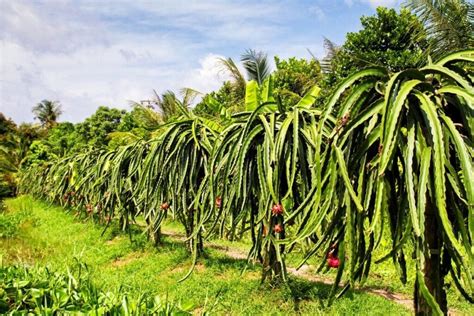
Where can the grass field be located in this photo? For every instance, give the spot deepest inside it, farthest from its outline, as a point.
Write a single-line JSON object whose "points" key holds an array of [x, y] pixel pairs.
{"points": [[47, 235]]}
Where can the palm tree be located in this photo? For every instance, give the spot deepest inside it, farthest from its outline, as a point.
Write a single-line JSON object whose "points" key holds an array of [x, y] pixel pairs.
{"points": [[448, 23], [228, 65], [331, 49], [256, 65], [188, 95], [47, 112], [168, 105]]}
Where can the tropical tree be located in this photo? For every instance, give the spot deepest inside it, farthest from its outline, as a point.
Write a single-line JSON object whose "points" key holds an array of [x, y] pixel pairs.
{"points": [[14, 145], [449, 24], [396, 41], [10, 158], [38, 152], [47, 112], [93, 131], [169, 106], [256, 65], [223, 102], [139, 124], [6, 125], [61, 138], [331, 50], [294, 77], [257, 68]]}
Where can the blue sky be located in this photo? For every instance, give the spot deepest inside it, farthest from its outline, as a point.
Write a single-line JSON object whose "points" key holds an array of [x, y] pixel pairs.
{"points": [[87, 53]]}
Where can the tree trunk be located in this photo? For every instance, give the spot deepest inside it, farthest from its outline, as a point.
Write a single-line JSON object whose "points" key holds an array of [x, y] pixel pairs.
{"points": [[189, 232], [272, 267], [157, 237], [433, 276]]}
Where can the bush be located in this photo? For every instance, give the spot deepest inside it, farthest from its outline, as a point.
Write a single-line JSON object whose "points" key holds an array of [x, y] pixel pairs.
{"points": [[9, 222], [39, 290]]}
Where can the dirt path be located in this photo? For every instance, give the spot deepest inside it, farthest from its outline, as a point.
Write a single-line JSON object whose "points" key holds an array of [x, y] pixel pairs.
{"points": [[305, 272]]}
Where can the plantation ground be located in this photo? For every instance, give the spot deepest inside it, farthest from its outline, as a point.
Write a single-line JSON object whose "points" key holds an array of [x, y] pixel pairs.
{"points": [[49, 236]]}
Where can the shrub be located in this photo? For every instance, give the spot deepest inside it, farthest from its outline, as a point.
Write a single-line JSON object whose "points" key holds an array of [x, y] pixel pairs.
{"points": [[8, 222], [40, 290]]}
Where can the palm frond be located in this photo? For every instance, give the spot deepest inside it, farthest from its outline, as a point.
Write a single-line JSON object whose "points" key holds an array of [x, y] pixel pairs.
{"points": [[189, 95], [256, 64], [448, 23], [331, 50], [146, 116], [228, 66]]}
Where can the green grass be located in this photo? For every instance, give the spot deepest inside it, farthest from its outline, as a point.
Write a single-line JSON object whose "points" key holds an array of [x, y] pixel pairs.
{"points": [[50, 236]]}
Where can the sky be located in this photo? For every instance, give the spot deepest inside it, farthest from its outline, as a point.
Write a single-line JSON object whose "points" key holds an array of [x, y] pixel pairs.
{"points": [[88, 53]]}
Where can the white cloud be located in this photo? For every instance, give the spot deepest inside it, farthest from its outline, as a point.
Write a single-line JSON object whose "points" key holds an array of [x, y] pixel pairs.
{"points": [[208, 76], [91, 53], [318, 12], [36, 27], [374, 3], [382, 3]]}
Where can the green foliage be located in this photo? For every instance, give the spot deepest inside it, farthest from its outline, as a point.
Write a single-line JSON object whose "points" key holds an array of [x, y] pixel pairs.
{"points": [[396, 41], [61, 139], [135, 125], [10, 222], [94, 130], [105, 128], [170, 107], [256, 65], [26, 134], [263, 160], [141, 117], [14, 144], [385, 147], [47, 112], [42, 291], [6, 125], [218, 286], [409, 148], [228, 99], [39, 152], [293, 78], [449, 24]]}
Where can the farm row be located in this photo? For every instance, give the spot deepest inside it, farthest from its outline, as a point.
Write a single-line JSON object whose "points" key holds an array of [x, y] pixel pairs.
{"points": [[322, 177]]}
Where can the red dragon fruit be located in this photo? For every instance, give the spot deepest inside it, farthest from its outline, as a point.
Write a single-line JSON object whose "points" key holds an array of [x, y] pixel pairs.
{"points": [[277, 209], [333, 261]]}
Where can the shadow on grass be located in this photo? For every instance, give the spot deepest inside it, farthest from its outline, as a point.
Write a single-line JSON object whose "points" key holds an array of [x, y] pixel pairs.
{"points": [[299, 290], [224, 262]]}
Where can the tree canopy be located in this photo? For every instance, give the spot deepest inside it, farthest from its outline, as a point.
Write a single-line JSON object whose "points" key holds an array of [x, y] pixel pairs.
{"points": [[389, 39], [47, 112]]}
